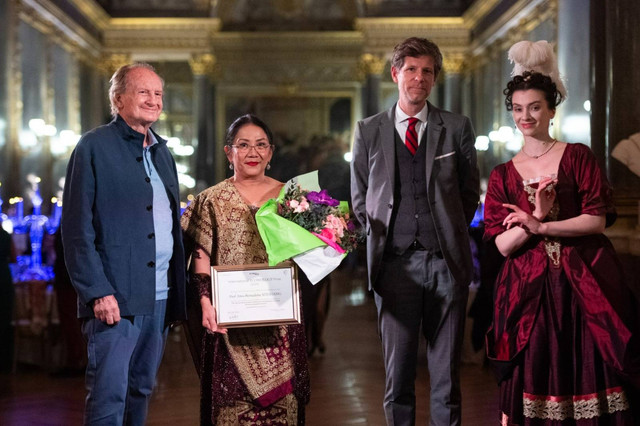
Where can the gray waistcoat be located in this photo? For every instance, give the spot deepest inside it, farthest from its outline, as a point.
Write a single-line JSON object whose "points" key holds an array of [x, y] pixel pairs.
{"points": [[411, 217]]}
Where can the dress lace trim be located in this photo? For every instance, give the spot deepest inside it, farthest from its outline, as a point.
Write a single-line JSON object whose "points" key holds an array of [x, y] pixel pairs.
{"points": [[551, 244], [575, 407]]}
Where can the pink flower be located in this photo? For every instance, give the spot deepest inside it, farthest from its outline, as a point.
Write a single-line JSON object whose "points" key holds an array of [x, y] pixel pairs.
{"points": [[327, 238], [299, 206], [336, 224], [328, 234]]}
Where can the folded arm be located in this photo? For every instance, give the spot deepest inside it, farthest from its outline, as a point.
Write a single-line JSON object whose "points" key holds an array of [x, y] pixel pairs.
{"points": [[521, 225]]}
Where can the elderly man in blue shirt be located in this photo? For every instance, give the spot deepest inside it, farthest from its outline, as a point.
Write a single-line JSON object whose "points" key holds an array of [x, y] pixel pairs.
{"points": [[123, 248]]}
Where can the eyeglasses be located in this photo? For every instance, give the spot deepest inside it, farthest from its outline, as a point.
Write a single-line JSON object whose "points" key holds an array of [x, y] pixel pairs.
{"points": [[260, 147]]}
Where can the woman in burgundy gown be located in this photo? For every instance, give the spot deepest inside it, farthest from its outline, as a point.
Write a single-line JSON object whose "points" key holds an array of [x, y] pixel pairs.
{"points": [[562, 337]]}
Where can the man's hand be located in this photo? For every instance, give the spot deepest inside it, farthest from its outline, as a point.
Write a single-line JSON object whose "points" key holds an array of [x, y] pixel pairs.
{"points": [[106, 309]]}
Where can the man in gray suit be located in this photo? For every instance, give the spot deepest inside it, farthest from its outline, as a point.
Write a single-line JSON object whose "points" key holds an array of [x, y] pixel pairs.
{"points": [[414, 188]]}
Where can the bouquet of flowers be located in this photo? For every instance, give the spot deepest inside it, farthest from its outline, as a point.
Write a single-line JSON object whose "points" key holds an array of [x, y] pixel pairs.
{"points": [[304, 223]]}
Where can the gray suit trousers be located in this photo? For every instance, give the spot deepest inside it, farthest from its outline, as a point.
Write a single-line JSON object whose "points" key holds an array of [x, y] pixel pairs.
{"points": [[416, 291]]}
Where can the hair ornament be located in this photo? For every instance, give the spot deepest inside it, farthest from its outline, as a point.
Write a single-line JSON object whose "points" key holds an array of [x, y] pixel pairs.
{"points": [[536, 56]]}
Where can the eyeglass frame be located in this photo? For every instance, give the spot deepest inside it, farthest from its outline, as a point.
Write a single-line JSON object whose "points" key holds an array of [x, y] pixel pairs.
{"points": [[258, 148]]}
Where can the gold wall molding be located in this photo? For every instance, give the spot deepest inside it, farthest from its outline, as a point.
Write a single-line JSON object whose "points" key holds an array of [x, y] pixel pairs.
{"points": [[454, 63], [516, 24], [204, 65], [93, 12], [286, 58], [370, 64], [298, 43], [45, 16], [478, 11], [523, 11], [284, 75], [109, 63], [166, 37], [382, 34]]}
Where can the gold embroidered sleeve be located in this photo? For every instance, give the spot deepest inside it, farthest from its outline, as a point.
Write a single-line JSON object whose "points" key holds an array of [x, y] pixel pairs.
{"points": [[199, 223]]}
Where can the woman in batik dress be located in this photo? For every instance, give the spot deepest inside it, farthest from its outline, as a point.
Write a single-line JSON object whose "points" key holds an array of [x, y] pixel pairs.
{"points": [[254, 375]]}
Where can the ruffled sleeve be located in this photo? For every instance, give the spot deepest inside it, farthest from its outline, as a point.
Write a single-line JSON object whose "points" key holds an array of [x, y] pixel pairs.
{"points": [[494, 212], [596, 195]]}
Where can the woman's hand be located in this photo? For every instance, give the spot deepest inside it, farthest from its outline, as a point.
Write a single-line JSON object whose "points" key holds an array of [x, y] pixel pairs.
{"points": [[519, 217], [544, 198], [209, 317]]}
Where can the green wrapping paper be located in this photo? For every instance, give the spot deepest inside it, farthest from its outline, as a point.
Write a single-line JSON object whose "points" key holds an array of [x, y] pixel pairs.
{"points": [[283, 238]]}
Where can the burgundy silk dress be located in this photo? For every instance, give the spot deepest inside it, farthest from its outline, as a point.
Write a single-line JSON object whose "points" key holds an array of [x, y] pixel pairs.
{"points": [[562, 336]]}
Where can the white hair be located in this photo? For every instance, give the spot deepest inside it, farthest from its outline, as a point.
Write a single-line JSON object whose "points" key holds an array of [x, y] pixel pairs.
{"points": [[537, 57], [118, 82]]}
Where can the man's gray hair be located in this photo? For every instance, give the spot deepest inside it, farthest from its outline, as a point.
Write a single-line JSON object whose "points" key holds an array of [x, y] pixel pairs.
{"points": [[118, 82]]}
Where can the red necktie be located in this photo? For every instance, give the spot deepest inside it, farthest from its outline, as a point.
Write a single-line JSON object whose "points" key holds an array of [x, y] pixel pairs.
{"points": [[411, 138]]}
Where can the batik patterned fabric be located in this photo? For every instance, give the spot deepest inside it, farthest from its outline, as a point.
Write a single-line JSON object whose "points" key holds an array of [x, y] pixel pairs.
{"points": [[252, 372]]}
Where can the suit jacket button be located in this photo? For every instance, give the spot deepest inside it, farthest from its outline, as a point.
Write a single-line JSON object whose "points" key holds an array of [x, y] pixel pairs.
{"points": [[138, 159], [390, 206], [147, 179], [149, 208], [151, 264], [151, 235]]}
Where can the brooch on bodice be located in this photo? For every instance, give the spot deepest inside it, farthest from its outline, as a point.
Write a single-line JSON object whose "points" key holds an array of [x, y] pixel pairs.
{"points": [[551, 244]]}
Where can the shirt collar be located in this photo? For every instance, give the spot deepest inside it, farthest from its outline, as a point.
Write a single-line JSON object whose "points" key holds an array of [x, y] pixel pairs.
{"points": [[402, 116], [152, 139], [129, 134]]}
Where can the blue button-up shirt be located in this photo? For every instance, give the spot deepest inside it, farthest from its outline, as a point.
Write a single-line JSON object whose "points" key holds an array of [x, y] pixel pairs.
{"points": [[162, 222]]}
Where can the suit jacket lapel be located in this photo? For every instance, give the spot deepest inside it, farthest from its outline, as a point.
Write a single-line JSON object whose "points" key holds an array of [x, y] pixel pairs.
{"points": [[433, 133], [387, 141]]}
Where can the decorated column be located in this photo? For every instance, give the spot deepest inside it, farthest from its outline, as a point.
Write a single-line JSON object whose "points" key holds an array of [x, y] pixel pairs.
{"points": [[203, 68], [453, 64], [370, 69]]}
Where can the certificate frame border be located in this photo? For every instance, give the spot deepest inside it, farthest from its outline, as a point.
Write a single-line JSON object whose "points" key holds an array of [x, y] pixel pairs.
{"points": [[295, 292]]}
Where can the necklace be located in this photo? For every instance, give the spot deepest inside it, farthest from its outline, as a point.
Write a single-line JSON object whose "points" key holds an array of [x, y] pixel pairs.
{"points": [[535, 157]]}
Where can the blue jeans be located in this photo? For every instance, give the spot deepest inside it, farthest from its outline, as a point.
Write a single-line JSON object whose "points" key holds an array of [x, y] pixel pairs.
{"points": [[123, 360]]}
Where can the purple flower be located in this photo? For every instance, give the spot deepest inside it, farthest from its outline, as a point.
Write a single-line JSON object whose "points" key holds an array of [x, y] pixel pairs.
{"points": [[322, 197]]}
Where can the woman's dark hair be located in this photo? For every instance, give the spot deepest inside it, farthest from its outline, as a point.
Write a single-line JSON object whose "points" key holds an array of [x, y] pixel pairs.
{"points": [[533, 80], [233, 129]]}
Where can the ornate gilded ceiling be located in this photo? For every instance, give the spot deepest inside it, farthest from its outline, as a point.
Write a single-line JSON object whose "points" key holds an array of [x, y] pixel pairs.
{"points": [[264, 13], [305, 41]]}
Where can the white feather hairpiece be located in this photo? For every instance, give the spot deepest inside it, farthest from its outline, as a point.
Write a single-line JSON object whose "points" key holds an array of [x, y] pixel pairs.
{"points": [[539, 57]]}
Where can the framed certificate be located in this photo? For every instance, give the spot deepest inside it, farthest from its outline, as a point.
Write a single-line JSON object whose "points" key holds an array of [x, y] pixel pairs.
{"points": [[256, 295]]}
